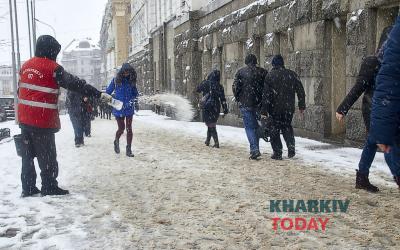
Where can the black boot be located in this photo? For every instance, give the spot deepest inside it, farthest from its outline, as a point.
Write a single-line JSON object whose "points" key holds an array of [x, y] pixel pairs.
{"points": [[31, 192], [276, 156], [116, 146], [214, 135], [255, 155], [129, 151], [291, 153], [207, 142], [362, 182], [54, 191]]}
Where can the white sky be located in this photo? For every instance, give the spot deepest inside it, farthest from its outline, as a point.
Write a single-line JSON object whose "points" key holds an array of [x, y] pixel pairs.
{"points": [[70, 18]]}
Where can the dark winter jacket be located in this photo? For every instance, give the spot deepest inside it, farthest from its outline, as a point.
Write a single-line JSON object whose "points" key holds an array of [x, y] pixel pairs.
{"points": [[125, 90], [280, 87], [385, 115], [248, 86], [211, 114], [75, 104], [365, 83], [48, 47]]}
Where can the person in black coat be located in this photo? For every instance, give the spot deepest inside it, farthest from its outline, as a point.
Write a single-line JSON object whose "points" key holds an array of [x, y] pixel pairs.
{"points": [[280, 89], [365, 84], [87, 116], [247, 89], [213, 98]]}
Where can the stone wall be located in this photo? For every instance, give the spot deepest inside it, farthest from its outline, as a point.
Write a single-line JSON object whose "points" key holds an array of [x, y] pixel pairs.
{"points": [[324, 41], [143, 63]]}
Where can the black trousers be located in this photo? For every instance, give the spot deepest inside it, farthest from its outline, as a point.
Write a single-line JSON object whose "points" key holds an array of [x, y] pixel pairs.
{"points": [[87, 124], [43, 147], [282, 124]]}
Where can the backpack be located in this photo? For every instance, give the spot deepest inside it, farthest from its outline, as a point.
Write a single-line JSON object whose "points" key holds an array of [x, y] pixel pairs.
{"points": [[207, 101]]}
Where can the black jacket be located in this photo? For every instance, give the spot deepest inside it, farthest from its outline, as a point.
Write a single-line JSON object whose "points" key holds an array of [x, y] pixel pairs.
{"points": [[48, 47], [280, 87], [365, 83], [211, 115], [75, 103], [248, 86]]}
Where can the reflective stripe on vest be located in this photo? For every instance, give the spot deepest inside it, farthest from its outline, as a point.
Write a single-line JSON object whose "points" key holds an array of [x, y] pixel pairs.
{"points": [[38, 88], [38, 104]]}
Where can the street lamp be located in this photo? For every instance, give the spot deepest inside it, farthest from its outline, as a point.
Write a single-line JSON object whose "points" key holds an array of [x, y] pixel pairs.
{"points": [[48, 25], [13, 63]]}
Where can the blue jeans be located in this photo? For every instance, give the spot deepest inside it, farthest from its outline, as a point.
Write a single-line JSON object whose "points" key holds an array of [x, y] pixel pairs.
{"points": [[393, 160], [77, 124], [251, 125], [367, 156]]}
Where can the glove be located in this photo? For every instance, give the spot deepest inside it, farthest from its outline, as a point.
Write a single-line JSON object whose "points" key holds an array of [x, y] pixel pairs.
{"points": [[106, 97]]}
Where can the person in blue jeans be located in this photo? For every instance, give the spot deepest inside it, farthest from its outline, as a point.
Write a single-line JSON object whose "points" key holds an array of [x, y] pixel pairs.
{"points": [[76, 108], [251, 125], [365, 84], [248, 89]]}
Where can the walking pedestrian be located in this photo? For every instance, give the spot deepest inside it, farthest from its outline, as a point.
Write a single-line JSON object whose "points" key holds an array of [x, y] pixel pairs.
{"points": [[385, 115], [213, 97], [365, 84], [280, 88], [39, 87], [87, 116], [102, 107], [247, 89], [75, 108], [124, 87]]}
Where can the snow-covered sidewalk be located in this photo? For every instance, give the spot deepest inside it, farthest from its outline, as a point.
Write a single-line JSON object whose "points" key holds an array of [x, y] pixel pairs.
{"points": [[177, 193]]}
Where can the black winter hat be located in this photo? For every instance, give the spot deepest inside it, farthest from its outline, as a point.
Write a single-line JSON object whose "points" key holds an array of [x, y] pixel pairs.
{"points": [[251, 59], [277, 61], [47, 47]]}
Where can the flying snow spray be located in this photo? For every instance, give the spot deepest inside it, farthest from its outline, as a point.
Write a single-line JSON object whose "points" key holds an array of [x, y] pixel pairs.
{"points": [[181, 107]]}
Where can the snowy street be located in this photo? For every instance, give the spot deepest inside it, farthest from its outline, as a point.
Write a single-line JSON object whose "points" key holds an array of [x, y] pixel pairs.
{"points": [[178, 193]]}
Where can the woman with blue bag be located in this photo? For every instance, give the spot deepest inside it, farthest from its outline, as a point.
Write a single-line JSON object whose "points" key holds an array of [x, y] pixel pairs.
{"points": [[213, 98], [124, 88]]}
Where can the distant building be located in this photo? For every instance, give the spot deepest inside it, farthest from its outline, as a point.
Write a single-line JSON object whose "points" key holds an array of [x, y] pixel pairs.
{"points": [[6, 81], [115, 38], [82, 57]]}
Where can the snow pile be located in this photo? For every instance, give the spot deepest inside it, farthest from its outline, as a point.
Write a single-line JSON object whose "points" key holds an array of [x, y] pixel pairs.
{"points": [[181, 107], [75, 221], [336, 20], [269, 38], [355, 15], [238, 13], [249, 43]]}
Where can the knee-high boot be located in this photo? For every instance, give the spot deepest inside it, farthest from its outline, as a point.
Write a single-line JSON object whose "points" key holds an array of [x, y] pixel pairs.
{"points": [[215, 137], [207, 142]]}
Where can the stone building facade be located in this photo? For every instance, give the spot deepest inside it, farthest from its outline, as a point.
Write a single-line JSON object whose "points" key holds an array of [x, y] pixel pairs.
{"points": [[6, 81], [82, 57], [115, 38], [153, 29], [324, 41]]}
